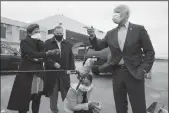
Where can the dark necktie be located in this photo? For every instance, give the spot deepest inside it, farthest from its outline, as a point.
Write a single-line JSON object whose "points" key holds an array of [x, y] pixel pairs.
{"points": [[84, 97], [120, 26]]}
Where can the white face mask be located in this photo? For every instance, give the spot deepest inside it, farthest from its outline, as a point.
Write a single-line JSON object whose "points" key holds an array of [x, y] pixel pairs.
{"points": [[84, 88], [116, 17], [36, 36]]}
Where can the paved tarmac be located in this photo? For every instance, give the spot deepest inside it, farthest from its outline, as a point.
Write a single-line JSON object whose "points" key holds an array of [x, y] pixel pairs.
{"points": [[156, 90]]}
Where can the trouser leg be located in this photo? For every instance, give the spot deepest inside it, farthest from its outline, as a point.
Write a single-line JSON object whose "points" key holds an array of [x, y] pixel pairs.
{"points": [[120, 91], [136, 92], [36, 98], [54, 99]]}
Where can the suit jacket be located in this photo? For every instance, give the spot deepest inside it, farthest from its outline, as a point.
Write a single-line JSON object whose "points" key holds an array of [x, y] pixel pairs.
{"points": [[137, 43], [32, 49], [21, 91], [67, 63]]}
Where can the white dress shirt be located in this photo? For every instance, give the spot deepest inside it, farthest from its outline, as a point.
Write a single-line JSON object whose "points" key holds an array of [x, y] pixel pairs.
{"points": [[59, 45], [122, 32]]}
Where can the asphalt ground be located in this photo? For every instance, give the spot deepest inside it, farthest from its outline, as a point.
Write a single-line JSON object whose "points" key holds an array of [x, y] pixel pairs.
{"points": [[156, 90]]}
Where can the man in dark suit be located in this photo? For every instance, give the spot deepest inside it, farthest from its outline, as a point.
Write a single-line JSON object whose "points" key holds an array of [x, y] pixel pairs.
{"points": [[127, 42], [58, 81]]}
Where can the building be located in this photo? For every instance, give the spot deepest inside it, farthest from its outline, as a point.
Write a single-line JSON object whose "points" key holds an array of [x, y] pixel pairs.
{"points": [[75, 32], [13, 31], [70, 26]]}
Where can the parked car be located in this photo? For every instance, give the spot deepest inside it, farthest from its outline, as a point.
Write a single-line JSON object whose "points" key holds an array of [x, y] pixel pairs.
{"points": [[81, 53], [103, 58], [10, 58]]}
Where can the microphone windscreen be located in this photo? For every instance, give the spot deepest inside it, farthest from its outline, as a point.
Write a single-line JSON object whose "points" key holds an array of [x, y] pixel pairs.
{"points": [[87, 66]]}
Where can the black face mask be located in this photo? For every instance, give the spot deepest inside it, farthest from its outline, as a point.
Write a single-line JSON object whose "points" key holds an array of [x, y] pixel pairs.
{"points": [[59, 37]]}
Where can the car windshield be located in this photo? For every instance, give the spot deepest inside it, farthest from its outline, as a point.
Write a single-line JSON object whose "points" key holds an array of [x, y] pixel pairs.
{"points": [[8, 51], [101, 54]]}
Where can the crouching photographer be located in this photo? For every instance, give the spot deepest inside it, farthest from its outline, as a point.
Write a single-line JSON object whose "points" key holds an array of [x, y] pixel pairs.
{"points": [[77, 100]]}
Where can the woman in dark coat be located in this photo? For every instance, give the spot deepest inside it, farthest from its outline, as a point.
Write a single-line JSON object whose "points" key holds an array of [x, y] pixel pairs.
{"points": [[28, 86]]}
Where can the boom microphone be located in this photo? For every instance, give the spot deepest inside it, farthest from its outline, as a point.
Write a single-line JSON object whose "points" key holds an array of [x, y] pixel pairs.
{"points": [[85, 70]]}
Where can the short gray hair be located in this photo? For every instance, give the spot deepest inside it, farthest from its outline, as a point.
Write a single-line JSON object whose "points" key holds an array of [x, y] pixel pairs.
{"points": [[122, 8], [58, 27]]}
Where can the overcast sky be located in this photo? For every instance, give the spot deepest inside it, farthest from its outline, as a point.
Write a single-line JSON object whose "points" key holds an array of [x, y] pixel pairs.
{"points": [[153, 15]]}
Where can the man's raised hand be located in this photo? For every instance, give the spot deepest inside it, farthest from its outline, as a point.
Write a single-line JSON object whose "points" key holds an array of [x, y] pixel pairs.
{"points": [[91, 32]]}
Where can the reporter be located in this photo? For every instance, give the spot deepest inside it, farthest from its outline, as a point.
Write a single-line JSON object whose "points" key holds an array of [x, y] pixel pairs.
{"points": [[76, 101]]}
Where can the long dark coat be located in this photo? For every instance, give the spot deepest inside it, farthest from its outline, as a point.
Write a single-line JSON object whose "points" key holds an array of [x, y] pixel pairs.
{"points": [[21, 92], [67, 63]]}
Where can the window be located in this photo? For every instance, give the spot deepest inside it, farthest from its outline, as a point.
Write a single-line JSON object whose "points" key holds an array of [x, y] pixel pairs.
{"points": [[50, 31], [8, 29], [22, 34], [7, 51], [3, 31]]}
